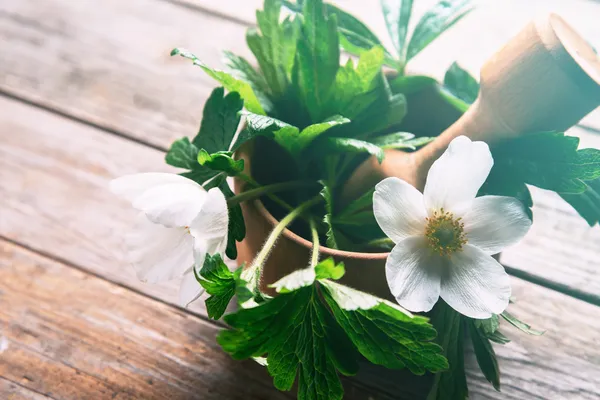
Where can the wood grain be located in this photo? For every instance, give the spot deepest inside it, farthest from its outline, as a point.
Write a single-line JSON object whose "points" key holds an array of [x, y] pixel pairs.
{"points": [[13, 391], [70, 335]]}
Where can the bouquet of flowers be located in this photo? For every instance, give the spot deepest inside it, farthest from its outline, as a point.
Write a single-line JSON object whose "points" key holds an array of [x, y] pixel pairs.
{"points": [[305, 123]]}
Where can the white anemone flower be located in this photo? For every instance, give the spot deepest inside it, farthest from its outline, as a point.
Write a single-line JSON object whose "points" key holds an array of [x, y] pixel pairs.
{"points": [[180, 222], [445, 237]]}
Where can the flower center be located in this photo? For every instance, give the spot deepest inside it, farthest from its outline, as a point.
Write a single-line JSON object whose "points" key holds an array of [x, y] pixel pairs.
{"points": [[445, 234]]}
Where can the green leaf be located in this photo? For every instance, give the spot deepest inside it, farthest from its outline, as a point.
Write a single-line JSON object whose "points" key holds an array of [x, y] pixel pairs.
{"points": [[462, 84], [294, 141], [236, 228], [514, 321], [385, 113], [183, 154], [299, 337], [328, 269], [486, 357], [487, 326], [275, 46], [220, 120], [230, 83], [317, 59], [434, 22], [219, 282], [401, 140], [294, 281], [363, 202], [498, 337], [548, 160], [357, 88], [451, 384], [259, 125], [408, 84], [242, 69], [348, 145], [328, 218], [384, 333], [586, 203], [221, 161], [397, 15]]}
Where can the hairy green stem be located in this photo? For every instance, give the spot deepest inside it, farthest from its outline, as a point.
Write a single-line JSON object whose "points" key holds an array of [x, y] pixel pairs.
{"points": [[380, 242], [266, 190], [314, 259]]}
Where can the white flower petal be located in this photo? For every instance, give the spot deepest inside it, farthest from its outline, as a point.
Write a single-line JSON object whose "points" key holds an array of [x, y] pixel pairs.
{"points": [[399, 209], [167, 199], [190, 289], [495, 222], [475, 284], [211, 223], [413, 274], [455, 178], [158, 253]]}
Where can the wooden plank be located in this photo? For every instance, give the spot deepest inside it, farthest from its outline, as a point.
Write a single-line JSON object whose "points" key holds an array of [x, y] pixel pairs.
{"points": [[71, 335], [13, 391], [108, 63]]}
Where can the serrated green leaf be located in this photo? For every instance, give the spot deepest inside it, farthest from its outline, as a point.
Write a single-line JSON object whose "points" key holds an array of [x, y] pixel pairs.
{"points": [[435, 21], [221, 161], [295, 280], [317, 59], [357, 88], [383, 332], [363, 202], [295, 141], [183, 154], [488, 326], [220, 120], [330, 235], [408, 84], [328, 269], [401, 140], [218, 282], [498, 337], [451, 384], [236, 228], [486, 357], [242, 69], [462, 84], [586, 203], [230, 83], [397, 15], [386, 112], [259, 125], [299, 337], [275, 46], [522, 326], [348, 145], [548, 160]]}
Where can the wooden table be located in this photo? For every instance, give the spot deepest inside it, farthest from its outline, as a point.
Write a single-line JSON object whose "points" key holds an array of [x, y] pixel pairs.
{"points": [[88, 92]]}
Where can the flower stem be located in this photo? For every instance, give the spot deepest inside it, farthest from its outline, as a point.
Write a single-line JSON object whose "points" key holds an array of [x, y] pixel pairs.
{"points": [[383, 242], [262, 190], [314, 259], [255, 184]]}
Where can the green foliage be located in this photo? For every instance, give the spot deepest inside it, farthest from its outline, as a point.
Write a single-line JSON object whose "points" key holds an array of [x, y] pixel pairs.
{"points": [[462, 84], [484, 352], [434, 22], [338, 145], [315, 330], [587, 203], [379, 330], [317, 59], [230, 83], [221, 161], [218, 282], [451, 384], [331, 235], [397, 15], [184, 154], [408, 84], [401, 141], [236, 228], [220, 120]]}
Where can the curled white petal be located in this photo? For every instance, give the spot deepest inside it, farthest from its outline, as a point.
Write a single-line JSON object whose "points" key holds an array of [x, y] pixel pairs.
{"points": [[167, 199], [455, 178], [413, 274], [496, 222], [190, 290], [399, 209], [475, 284], [212, 222], [158, 253]]}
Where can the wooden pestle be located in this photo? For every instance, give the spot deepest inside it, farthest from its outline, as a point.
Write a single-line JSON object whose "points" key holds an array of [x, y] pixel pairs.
{"points": [[546, 78]]}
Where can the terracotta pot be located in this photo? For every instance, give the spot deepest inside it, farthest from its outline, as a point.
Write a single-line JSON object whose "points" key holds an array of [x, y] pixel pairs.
{"points": [[364, 271]]}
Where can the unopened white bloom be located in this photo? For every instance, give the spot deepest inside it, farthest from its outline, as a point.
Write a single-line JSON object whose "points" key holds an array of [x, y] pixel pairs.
{"points": [[445, 237], [180, 222]]}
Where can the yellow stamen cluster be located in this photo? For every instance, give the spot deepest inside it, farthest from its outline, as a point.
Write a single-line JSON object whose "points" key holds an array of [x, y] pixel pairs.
{"points": [[445, 234]]}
